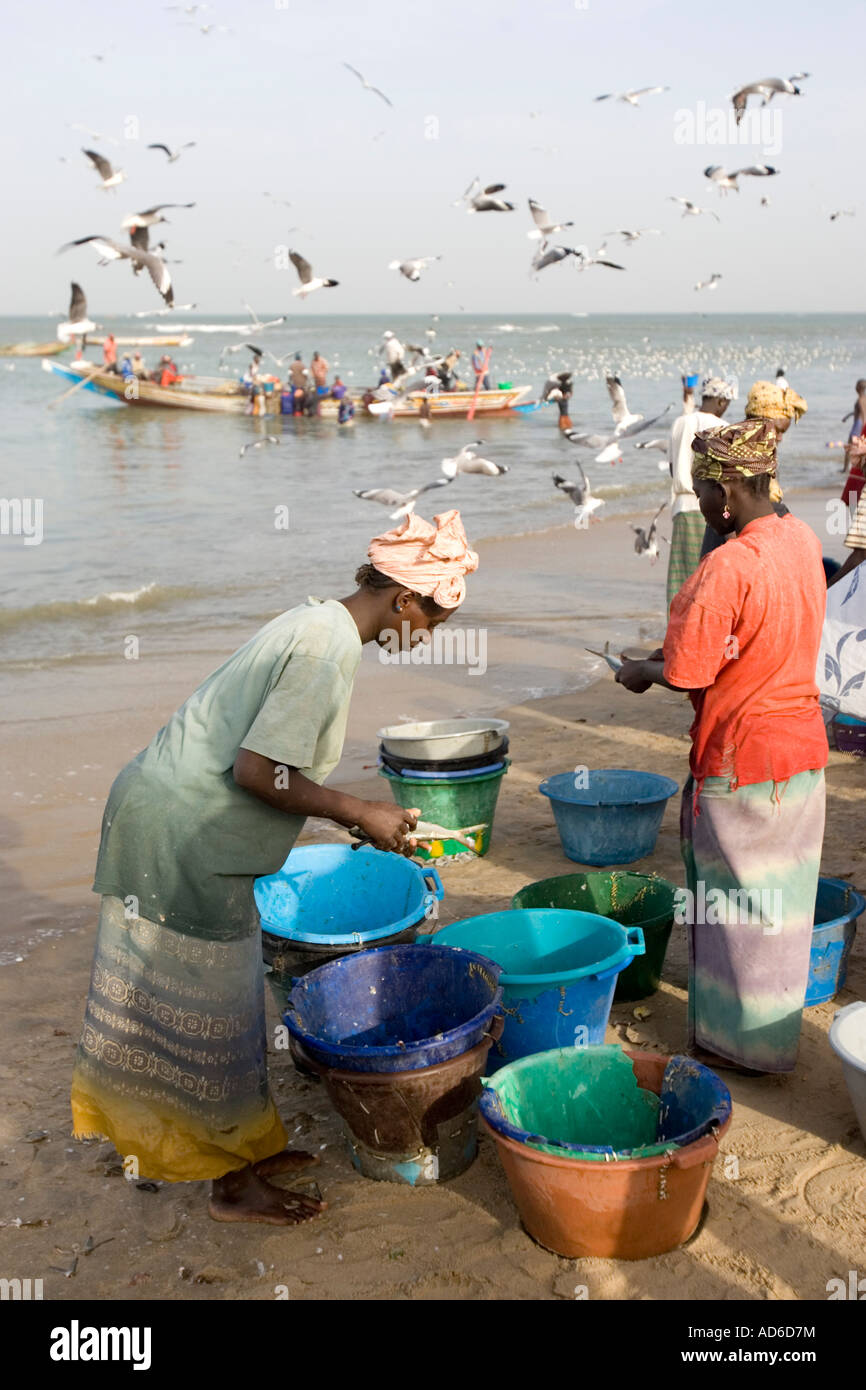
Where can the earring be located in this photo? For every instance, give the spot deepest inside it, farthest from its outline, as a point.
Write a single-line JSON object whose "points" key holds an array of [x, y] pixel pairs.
{"points": [[727, 514]]}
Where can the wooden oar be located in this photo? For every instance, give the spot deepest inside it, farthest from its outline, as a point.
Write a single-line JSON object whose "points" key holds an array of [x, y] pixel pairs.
{"points": [[88, 375], [478, 380]]}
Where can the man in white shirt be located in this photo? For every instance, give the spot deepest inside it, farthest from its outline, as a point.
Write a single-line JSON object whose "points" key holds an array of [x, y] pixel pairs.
{"points": [[688, 523], [394, 351]]}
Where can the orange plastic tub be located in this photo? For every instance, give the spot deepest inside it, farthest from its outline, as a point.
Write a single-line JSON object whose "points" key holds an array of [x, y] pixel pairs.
{"points": [[628, 1209]]}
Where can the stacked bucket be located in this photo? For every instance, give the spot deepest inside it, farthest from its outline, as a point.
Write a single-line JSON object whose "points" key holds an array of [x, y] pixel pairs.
{"points": [[452, 769]]}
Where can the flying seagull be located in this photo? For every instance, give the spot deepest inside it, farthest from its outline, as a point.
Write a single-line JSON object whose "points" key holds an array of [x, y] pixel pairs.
{"points": [[238, 347], [257, 323], [551, 255], [645, 542], [150, 216], [483, 199], [94, 134], [723, 180], [109, 250], [309, 282], [557, 385], [691, 209], [368, 86], [632, 96], [629, 237], [843, 212], [78, 324], [711, 284], [544, 228], [767, 88], [660, 444], [257, 443], [110, 176], [412, 269], [610, 445], [581, 496], [158, 313], [585, 258], [172, 158], [467, 461], [403, 501], [623, 418]]}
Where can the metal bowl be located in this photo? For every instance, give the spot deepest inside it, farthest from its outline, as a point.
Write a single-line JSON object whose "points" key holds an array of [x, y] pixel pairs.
{"points": [[439, 740]]}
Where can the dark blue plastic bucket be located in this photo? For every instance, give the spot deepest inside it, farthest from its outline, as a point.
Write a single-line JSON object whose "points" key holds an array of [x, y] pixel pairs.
{"points": [[394, 1008], [614, 819], [559, 972], [837, 908]]}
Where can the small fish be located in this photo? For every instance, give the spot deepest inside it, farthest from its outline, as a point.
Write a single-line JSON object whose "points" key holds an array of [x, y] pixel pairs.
{"points": [[613, 661], [35, 1136]]}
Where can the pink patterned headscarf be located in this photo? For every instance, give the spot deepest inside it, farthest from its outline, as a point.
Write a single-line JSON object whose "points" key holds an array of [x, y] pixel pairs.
{"points": [[429, 560]]}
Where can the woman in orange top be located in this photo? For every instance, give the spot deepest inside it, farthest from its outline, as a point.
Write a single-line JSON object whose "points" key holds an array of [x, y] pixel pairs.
{"points": [[743, 640]]}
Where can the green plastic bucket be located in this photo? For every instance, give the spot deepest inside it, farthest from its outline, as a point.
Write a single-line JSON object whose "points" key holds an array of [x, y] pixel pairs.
{"points": [[633, 900], [465, 801], [581, 1095]]}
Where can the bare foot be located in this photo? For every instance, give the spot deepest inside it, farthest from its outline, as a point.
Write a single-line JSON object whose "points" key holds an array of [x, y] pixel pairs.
{"points": [[287, 1161], [244, 1196]]}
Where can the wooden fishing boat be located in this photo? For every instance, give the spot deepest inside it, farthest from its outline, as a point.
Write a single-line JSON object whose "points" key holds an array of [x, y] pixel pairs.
{"points": [[175, 340], [231, 398], [33, 349]]}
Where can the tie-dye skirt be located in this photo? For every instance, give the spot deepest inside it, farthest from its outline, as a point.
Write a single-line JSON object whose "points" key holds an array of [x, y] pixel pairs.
{"points": [[171, 1066], [752, 857]]}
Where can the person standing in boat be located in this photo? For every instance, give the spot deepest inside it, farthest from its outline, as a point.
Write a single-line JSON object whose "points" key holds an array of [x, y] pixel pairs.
{"points": [[480, 363], [394, 354], [172, 1062], [319, 372], [109, 354]]}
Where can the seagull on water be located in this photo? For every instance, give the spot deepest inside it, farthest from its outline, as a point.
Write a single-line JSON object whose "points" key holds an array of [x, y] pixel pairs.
{"points": [[110, 176], [309, 282], [412, 268], [632, 96], [403, 501], [645, 542], [368, 86], [467, 461], [691, 209], [711, 284], [767, 88], [150, 216], [544, 227], [483, 199], [173, 157], [630, 237], [109, 250], [724, 180], [78, 325], [257, 443], [581, 496]]}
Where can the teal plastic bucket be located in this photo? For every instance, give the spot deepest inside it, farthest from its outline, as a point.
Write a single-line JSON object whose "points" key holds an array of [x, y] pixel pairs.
{"points": [[559, 972]]}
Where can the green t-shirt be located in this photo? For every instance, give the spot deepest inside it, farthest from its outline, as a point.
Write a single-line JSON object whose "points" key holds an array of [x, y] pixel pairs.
{"points": [[178, 833]]}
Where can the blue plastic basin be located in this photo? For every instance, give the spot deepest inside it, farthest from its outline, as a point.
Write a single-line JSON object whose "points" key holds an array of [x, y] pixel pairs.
{"points": [[559, 971], [614, 819], [837, 908], [394, 1008], [333, 895]]}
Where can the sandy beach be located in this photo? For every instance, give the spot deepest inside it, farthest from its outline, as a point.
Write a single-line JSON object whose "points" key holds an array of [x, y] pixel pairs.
{"points": [[787, 1201]]}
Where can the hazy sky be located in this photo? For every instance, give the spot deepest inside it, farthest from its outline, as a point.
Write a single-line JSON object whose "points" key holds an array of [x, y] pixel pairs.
{"points": [[272, 109]]}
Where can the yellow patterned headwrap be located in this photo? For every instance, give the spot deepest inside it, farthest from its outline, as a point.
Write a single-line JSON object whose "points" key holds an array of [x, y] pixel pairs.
{"points": [[767, 401], [736, 451]]}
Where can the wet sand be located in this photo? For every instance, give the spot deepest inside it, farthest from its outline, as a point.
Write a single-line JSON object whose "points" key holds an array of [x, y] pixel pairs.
{"points": [[787, 1202]]}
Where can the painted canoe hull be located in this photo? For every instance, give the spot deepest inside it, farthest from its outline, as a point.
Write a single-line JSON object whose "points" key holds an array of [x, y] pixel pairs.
{"points": [[33, 349], [227, 398]]}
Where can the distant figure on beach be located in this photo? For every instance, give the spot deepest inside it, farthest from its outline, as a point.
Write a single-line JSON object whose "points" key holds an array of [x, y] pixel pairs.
{"points": [[172, 1063], [319, 371], [480, 363], [109, 354], [688, 524], [779, 406], [394, 355], [853, 460], [742, 640]]}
